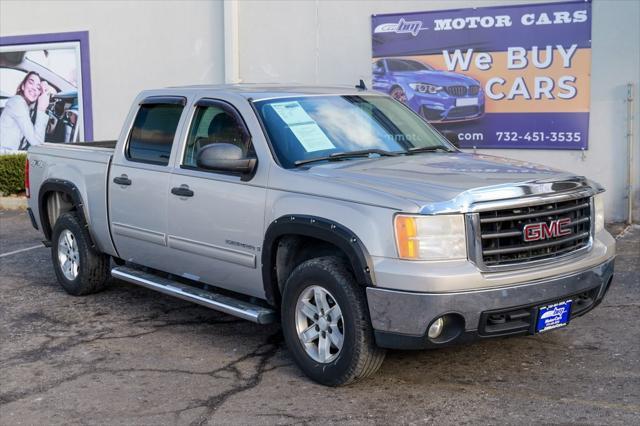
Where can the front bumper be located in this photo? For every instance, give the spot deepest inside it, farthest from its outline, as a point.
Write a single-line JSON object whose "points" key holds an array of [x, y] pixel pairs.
{"points": [[400, 319], [440, 108]]}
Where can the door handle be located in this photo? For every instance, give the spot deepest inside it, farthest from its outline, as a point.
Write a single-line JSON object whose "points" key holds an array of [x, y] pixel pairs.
{"points": [[122, 180], [182, 191]]}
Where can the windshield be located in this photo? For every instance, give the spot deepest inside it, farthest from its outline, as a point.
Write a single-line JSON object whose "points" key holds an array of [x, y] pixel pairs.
{"points": [[405, 65], [304, 128]]}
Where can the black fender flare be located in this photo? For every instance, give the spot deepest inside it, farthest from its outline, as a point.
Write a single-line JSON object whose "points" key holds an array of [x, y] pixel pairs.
{"points": [[66, 187], [321, 229]]}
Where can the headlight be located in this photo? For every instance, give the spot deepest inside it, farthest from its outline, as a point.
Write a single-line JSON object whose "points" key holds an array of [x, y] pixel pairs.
{"points": [[598, 201], [425, 88], [430, 237]]}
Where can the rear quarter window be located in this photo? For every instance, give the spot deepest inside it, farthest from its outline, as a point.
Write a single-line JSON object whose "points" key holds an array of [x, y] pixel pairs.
{"points": [[153, 132]]}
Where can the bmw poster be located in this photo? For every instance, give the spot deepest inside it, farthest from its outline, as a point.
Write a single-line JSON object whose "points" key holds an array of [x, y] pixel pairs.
{"points": [[499, 77]]}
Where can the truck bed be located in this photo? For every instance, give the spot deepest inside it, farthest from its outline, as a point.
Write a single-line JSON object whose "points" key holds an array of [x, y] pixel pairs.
{"points": [[86, 166]]}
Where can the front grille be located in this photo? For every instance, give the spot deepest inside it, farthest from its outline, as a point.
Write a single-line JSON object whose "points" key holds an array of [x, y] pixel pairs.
{"points": [[473, 90], [501, 232], [456, 90]]}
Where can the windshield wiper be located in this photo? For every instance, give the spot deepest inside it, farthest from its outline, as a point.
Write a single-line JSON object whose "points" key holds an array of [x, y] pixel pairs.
{"points": [[428, 149], [349, 154]]}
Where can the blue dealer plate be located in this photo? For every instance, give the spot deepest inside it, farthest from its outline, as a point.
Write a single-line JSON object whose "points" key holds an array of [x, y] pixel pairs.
{"points": [[553, 316]]}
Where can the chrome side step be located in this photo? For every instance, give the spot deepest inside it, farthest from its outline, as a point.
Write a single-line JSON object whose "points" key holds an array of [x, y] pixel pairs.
{"points": [[219, 302]]}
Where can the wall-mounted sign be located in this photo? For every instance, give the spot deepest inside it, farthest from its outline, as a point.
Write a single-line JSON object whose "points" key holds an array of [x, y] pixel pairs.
{"points": [[500, 77]]}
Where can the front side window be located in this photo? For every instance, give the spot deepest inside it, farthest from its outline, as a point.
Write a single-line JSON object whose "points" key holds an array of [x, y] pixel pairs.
{"points": [[304, 128], [153, 132], [215, 123]]}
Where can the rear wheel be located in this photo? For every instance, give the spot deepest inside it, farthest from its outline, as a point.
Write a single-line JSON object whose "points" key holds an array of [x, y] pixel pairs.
{"points": [[80, 269], [325, 322]]}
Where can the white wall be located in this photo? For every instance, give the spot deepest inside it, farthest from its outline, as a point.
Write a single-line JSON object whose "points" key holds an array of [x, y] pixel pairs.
{"points": [[134, 45], [329, 42]]}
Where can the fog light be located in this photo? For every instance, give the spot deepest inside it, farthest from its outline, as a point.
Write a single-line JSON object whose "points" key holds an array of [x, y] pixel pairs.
{"points": [[436, 328]]}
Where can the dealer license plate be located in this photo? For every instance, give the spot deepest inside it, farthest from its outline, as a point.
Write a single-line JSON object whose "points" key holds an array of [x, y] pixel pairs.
{"points": [[553, 316], [466, 101]]}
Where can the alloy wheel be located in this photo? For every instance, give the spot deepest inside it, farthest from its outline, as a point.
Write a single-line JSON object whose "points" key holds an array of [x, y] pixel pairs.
{"points": [[320, 324], [68, 255]]}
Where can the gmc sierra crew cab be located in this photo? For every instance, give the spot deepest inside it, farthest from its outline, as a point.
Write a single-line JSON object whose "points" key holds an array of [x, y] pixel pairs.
{"points": [[338, 212]]}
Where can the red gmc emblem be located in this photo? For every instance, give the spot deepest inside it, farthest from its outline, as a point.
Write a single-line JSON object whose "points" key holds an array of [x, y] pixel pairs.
{"points": [[542, 230]]}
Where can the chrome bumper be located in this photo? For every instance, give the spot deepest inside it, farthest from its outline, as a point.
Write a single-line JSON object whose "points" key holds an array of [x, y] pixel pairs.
{"points": [[409, 313]]}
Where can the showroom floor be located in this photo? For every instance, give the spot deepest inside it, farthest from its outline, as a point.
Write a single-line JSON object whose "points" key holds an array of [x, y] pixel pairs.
{"points": [[132, 356]]}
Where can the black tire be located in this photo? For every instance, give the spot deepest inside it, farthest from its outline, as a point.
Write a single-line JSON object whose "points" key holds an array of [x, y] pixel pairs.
{"points": [[93, 267], [359, 357]]}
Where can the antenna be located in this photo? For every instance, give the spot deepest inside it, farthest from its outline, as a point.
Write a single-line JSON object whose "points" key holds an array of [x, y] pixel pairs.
{"points": [[361, 85]]}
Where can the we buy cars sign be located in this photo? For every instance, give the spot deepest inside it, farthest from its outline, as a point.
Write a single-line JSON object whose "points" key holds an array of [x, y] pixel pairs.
{"points": [[500, 77]]}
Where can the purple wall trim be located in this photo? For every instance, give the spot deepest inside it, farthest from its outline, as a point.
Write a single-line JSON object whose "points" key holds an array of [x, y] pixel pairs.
{"points": [[79, 36]]}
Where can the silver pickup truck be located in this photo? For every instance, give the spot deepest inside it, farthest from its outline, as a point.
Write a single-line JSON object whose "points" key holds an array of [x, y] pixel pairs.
{"points": [[338, 212]]}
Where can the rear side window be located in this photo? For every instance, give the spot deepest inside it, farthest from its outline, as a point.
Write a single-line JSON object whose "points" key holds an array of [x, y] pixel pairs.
{"points": [[154, 129]]}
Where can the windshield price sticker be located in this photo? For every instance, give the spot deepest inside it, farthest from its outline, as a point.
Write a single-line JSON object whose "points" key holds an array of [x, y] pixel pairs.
{"points": [[311, 137], [292, 113], [309, 134]]}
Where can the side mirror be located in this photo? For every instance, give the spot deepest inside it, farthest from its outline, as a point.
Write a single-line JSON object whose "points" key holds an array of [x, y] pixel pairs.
{"points": [[451, 137], [226, 157], [377, 71]]}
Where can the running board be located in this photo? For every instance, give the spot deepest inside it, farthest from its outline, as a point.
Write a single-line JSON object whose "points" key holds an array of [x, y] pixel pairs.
{"points": [[219, 302]]}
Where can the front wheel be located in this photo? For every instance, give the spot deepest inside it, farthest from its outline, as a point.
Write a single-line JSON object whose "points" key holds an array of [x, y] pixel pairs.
{"points": [[325, 322]]}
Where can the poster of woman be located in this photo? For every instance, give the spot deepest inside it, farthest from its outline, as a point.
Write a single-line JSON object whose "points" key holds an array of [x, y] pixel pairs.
{"points": [[45, 91]]}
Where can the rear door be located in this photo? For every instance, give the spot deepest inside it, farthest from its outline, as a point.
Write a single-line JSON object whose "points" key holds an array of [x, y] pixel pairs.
{"points": [[139, 182], [216, 219]]}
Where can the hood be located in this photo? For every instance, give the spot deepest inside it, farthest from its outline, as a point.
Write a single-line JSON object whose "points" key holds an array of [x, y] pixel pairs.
{"points": [[442, 78], [429, 179]]}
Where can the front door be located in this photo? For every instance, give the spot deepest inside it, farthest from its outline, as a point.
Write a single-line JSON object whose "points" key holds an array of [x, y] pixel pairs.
{"points": [[216, 219], [139, 183]]}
